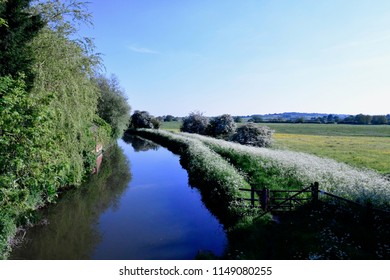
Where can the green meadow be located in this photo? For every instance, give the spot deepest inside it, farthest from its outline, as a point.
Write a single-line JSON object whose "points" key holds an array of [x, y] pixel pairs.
{"points": [[363, 146]]}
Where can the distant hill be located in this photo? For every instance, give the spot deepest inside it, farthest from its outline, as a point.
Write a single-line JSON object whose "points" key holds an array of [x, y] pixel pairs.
{"points": [[297, 117], [291, 116]]}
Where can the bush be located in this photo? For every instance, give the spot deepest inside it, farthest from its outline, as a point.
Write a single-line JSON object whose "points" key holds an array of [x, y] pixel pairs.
{"points": [[156, 123], [142, 119], [112, 104], [253, 135], [195, 123], [238, 119], [222, 126]]}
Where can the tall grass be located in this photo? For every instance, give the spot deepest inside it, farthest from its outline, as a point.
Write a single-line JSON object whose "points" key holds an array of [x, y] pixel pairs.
{"points": [[325, 232], [341, 179]]}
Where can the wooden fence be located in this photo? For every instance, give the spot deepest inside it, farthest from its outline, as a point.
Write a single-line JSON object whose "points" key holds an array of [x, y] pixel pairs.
{"points": [[287, 200]]}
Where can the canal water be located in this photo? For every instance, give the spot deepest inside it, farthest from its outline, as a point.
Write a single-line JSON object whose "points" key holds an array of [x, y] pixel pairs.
{"points": [[139, 206]]}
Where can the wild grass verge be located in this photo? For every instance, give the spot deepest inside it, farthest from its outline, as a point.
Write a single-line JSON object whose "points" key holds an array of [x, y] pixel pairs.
{"points": [[327, 231], [299, 169]]}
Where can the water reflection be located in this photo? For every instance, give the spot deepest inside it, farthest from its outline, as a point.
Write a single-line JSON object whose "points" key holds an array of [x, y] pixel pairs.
{"points": [[72, 232], [156, 215], [140, 144]]}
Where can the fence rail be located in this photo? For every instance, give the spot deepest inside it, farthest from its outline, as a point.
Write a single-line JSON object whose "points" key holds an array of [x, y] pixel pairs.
{"points": [[271, 200]]}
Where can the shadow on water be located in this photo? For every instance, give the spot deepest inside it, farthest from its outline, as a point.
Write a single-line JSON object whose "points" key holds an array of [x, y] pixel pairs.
{"points": [[211, 197], [156, 215], [140, 144], [69, 230]]}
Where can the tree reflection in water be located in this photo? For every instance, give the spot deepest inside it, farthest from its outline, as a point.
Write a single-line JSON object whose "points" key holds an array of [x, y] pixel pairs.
{"points": [[140, 144], [71, 230]]}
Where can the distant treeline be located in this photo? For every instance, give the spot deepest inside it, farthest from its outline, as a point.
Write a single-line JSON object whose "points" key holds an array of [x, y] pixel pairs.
{"points": [[331, 119], [302, 118]]}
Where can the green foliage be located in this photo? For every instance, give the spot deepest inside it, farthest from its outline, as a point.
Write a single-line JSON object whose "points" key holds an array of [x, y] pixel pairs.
{"points": [[173, 125], [142, 119], [3, 22], [18, 26], [77, 212], [28, 173], [256, 119], [221, 126], [48, 128], [379, 119], [169, 118], [195, 122], [112, 105], [238, 119], [216, 178], [250, 134], [62, 70]]}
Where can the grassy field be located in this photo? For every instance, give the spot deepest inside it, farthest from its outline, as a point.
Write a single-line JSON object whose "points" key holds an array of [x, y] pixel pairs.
{"points": [[363, 146], [219, 168], [171, 126], [330, 129], [362, 152]]}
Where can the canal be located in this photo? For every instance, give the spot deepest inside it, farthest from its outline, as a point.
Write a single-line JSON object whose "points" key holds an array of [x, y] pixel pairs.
{"points": [[140, 206]]}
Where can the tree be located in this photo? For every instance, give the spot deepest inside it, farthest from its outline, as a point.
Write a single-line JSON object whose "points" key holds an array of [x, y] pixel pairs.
{"points": [[363, 119], [112, 105], [18, 27], [380, 119], [48, 129], [256, 119], [221, 126], [301, 120], [238, 119], [253, 135], [142, 119], [330, 119], [169, 118], [195, 122]]}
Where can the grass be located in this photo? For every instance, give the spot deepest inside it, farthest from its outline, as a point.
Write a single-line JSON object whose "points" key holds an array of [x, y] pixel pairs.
{"points": [[171, 126], [360, 185], [362, 146], [330, 129], [329, 230], [362, 152]]}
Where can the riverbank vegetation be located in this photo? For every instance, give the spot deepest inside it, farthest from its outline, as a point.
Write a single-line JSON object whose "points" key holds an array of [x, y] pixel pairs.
{"points": [[362, 146], [303, 232], [49, 117], [78, 208], [206, 168]]}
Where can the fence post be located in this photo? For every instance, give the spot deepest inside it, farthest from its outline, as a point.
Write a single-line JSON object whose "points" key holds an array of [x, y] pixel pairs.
{"points": [[252, 196], [265, 199], [314, 193]]}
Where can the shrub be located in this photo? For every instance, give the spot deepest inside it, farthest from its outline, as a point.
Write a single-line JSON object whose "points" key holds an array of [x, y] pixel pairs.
{"points": [[195, 123], [156, 123], [340, 179], [112, 104], [238, 119], [222, 126], [250, 134], [142, 119]]}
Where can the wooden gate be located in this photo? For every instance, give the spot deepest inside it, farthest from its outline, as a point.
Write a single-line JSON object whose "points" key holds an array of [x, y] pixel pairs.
{"points": [[281, 200]]}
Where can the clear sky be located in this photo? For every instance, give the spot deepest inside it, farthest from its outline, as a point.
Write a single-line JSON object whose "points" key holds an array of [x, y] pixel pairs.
{"points": [[246, 57]]}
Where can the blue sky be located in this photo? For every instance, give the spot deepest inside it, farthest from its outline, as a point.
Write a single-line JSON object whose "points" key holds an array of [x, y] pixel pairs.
{"points": [[245, 57]]}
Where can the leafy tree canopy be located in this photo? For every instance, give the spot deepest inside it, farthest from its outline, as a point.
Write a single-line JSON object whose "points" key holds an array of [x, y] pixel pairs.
{"points": [[112, 104], [18, 27]]}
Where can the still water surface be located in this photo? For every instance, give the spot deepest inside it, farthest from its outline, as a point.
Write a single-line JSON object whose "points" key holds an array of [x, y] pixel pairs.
{"points": [[140, 206]]}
